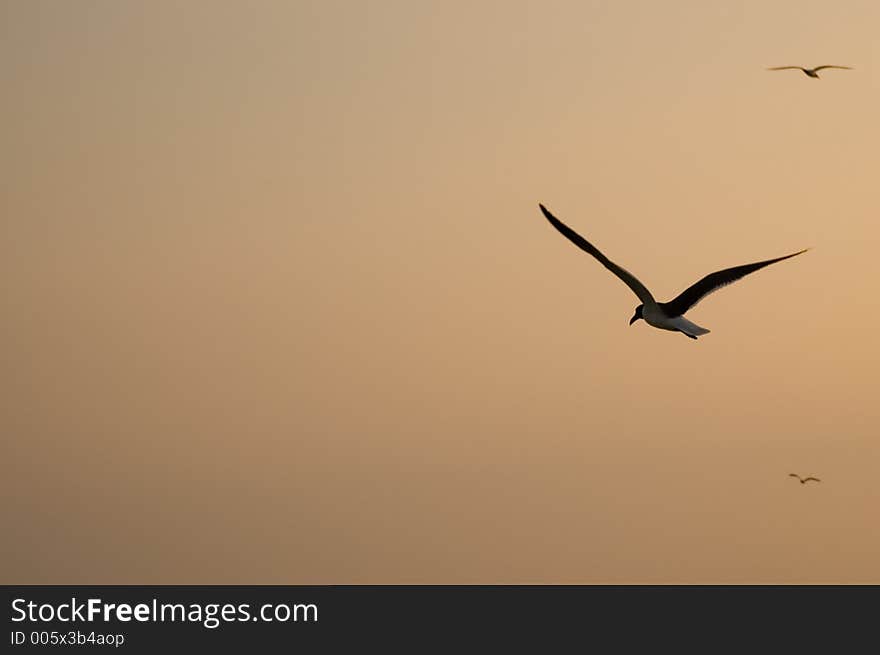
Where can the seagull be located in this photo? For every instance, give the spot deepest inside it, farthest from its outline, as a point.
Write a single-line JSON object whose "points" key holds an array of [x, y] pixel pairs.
{"points": [[809, 72], [803, 480], [665, 315]]}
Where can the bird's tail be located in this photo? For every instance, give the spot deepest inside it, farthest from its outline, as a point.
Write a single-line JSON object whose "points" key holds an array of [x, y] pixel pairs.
{"points": [[689, 328]]}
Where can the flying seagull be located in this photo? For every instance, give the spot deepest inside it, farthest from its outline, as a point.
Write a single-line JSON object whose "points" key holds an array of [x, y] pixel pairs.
{"points": [[803, 480], [809, 72], [665, 315]]}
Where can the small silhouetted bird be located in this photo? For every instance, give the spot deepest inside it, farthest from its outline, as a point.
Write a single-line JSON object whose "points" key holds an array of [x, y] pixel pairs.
{"points": [[809, 72], [803, 480]]}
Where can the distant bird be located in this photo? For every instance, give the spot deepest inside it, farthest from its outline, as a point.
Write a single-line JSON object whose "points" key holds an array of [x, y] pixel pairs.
{"points": [[803, 480], [809, 72], [665, 315]]}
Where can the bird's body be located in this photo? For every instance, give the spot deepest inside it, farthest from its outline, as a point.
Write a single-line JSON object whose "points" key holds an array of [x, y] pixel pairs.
{"points": [[654, 315], [809, 72], [664, 315], [803, 480]]}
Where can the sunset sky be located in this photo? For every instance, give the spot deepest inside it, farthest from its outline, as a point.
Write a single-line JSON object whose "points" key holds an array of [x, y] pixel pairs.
{"points": [[280, 305]]}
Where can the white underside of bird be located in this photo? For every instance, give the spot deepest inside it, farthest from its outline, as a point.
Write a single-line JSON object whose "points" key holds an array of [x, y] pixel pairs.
{"points": [[653, 315]]}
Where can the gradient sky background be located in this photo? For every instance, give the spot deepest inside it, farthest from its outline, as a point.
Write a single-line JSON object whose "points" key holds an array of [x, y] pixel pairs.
{"points": [[280, 306]]}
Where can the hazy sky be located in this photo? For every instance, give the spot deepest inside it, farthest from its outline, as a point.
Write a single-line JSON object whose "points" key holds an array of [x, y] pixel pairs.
{"points": [[280, 306]]}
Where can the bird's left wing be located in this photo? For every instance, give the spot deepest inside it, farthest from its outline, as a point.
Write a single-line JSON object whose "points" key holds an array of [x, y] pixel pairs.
{"points": [[783, 68], [714, 281], [808, 479], [631, 280], [818, 68]]}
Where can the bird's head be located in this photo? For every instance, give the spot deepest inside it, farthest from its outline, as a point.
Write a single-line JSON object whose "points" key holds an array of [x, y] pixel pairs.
{"points": [[637, 315]]}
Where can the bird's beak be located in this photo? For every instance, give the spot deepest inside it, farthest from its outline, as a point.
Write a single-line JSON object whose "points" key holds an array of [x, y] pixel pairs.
{"points": [[634, 319]]}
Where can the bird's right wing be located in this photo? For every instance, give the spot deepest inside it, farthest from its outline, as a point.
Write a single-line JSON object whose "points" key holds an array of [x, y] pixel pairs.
{"points": [[818, 68], [714, 281], [794, 475], [808, 479], [783, 68], [631, 280]]}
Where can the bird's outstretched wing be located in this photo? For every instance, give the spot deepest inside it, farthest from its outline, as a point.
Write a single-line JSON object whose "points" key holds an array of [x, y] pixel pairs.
{"points": [[782, 68], [714, 281], [631, 280], [815, 479], [818, 68], [794, 475]]}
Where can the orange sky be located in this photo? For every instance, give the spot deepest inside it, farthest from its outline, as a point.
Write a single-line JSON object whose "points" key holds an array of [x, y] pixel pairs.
{"points": [[280, 306]]}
